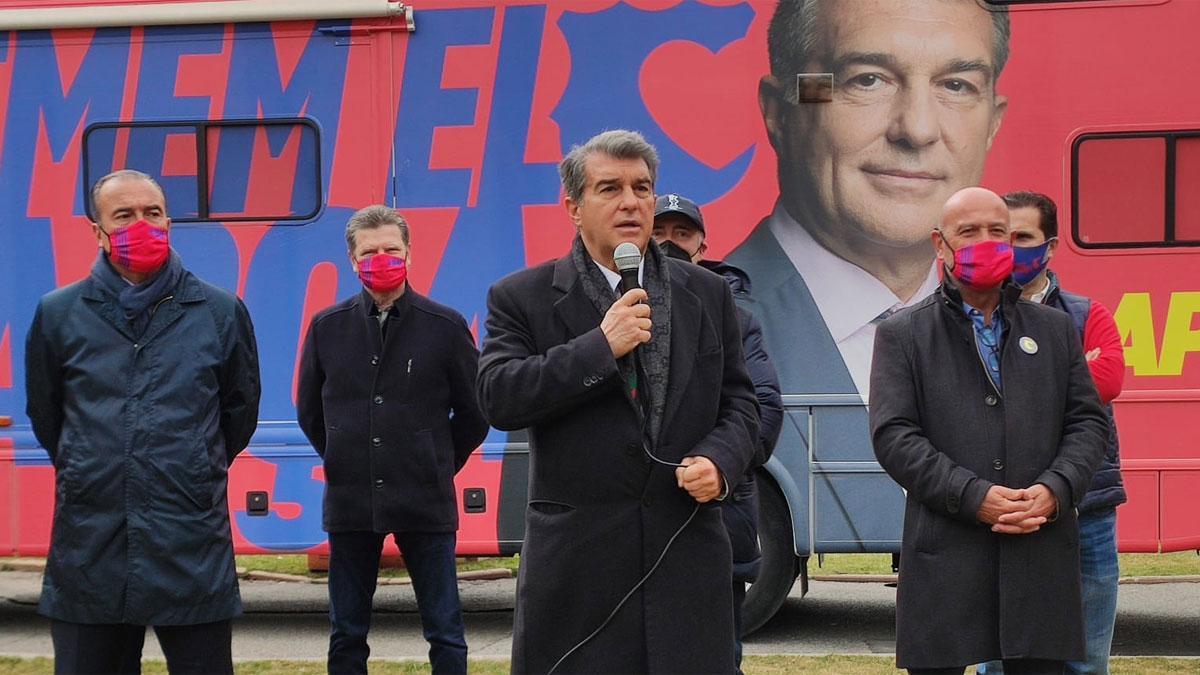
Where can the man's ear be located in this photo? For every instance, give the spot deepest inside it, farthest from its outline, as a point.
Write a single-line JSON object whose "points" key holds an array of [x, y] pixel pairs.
{"points": [[167, 225], [99, 233], [999, 106], [353, 262], [572, 208], [773, 105], [939, 247], [702, 250], [1051, 249]]}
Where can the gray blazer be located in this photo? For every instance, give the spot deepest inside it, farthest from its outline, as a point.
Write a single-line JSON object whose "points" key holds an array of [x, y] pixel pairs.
{"points": [[803, 350]]}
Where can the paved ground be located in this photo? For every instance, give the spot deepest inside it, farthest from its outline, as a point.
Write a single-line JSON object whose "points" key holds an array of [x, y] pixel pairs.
{"points": [[288, 620]]}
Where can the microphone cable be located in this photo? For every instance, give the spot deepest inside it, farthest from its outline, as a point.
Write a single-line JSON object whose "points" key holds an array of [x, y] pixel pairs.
{"points": [[643, 418], [628, 595], [637, 364]]}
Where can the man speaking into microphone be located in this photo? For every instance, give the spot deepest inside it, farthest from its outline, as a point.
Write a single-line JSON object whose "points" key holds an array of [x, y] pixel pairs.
{"points": [[640, 414]]}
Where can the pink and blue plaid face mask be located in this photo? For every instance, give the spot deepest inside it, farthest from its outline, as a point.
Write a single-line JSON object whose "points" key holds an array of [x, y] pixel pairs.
{"points": [[382, 273], [140, 247], [982, 266]]}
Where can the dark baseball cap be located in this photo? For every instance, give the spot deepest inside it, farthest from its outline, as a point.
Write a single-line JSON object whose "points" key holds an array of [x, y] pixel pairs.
{"points": [[673, 203]]}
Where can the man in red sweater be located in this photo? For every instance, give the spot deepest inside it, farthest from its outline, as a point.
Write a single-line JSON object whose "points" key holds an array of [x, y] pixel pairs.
{"points": [[1034, 231]]}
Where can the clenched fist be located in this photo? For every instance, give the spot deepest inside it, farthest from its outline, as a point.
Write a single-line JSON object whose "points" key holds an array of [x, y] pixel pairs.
{"points": [[700, 477], [627, 323]]}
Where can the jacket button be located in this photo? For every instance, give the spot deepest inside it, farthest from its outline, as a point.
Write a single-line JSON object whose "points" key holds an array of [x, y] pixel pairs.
{"points": [[997, 465], [375, 360], [377, 441], [991, 399], [378, 400], [378, 482]]}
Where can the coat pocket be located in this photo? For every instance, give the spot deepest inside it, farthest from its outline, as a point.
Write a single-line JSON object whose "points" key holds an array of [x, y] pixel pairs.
{"points": [[549, 508], [200, 475], [411, 460], [65, 470]]}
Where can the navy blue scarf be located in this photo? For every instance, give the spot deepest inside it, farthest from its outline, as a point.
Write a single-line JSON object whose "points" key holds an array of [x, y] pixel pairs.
{"points": [[138, 300]]}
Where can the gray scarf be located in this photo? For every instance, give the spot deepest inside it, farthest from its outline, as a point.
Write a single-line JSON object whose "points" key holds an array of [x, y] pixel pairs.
{"points": [[138, 301], [655, 356]]}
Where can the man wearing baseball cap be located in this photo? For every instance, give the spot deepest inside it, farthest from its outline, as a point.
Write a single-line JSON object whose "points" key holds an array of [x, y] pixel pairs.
{"points": [[679, 232]]}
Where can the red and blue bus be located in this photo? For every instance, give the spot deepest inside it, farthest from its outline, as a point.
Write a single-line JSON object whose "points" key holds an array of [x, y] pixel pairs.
{"points": [[268, 122]]}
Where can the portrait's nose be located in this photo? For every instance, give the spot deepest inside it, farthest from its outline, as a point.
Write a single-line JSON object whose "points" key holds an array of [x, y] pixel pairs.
{"points": [[914, 122]]}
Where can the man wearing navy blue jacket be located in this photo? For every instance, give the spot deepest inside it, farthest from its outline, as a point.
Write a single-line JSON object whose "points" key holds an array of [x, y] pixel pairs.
{"points": [[679, 232], [386, 396]]}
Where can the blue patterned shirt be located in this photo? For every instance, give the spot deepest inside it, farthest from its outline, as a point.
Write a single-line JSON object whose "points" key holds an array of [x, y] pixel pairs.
{"points": [[988, 339]]}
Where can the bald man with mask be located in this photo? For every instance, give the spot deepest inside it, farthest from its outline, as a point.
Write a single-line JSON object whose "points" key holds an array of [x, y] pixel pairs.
{"points": [[983, 410]]}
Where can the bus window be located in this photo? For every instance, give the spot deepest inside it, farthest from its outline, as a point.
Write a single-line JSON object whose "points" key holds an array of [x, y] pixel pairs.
{"points": [[1130, 190], [1187, 197], [217, 171], [263, 171], [165, 151]]}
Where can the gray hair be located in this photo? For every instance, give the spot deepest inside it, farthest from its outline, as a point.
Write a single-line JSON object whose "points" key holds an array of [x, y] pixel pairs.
{"points": [[616, 143], [793, 35], [372, 217], [122, 174]]}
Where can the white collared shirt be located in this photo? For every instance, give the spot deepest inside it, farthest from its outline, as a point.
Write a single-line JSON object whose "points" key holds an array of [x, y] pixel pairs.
{"points": [[614, 278], [1040, 296], [847, 296]]}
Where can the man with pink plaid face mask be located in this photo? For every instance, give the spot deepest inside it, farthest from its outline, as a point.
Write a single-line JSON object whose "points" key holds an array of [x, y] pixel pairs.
{"points": [[386, 396], [142, 385]]}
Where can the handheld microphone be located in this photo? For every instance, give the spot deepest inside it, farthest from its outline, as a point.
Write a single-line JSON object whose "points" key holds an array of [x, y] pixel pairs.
{"points": [[628, 258]]}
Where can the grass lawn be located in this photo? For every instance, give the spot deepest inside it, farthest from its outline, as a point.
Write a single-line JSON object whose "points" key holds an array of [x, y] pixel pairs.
{"points": [[1132, 564], [298, 564], [754, 665]]}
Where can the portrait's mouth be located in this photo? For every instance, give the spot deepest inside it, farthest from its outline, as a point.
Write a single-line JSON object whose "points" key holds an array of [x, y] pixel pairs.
{"points": [[903, 181]]}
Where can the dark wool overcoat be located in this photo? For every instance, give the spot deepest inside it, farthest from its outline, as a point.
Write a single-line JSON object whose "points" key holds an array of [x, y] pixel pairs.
{"points": [[141, 432], [600, 513], [393, 414], [946, 435]]}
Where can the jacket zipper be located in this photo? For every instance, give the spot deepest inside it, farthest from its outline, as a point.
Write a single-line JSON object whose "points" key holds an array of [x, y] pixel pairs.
{"points": [[159, 304]]}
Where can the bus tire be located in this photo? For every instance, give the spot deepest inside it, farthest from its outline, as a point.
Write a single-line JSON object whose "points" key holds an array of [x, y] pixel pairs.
{"points": [[780, 566]]}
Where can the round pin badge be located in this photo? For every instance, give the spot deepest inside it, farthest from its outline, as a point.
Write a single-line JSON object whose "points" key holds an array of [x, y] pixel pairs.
{"points": [[1028, 345]]}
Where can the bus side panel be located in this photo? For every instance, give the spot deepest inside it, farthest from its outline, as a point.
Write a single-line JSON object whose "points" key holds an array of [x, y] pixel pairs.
{"points": [[1114, 68], [461, 125]]}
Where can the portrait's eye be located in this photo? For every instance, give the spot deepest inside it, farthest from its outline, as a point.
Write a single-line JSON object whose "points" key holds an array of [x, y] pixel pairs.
{"points": [[961, 87], [866, 81]]}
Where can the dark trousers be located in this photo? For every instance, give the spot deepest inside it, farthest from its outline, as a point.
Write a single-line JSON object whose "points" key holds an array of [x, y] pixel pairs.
{"points": [[117, 648], [353, 571], [1011, 667]]}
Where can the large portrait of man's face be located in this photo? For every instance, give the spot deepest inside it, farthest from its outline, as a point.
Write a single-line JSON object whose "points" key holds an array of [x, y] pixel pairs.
{"points": [[912, 115]]}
